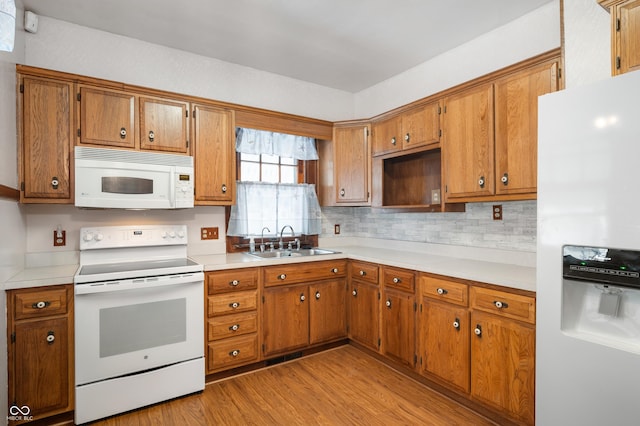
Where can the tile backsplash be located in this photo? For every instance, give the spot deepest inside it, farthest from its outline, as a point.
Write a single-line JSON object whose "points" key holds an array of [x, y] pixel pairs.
{"points": [[475, 227]]}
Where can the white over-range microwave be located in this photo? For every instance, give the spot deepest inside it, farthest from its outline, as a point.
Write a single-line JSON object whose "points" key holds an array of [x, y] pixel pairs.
{"points": [[112, 178]]}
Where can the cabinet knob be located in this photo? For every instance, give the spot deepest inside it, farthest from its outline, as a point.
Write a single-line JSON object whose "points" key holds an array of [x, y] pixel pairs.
{"points": [[505, 179], [41, 305], [388, 303], [317, 295], [282, 277], [407, 138], [396, 280], [393, 141], [234, 327], [500, 305], [363, 273], [234, 305], [334, 270], [234, 283], [234, 352], [342, 192], [302, 297], [481, 182], [152, 136], [123, 133], [354, 292], [442, 291], [456, 324], [224, 188], [478, 330], [51, 337], [55, 182]]}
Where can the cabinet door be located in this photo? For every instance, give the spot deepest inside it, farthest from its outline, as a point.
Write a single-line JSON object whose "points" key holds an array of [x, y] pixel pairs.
{"points": [[444, 342], [107, 117], [387, 135], [398, 326], [364, 308], [628, 36], [285, 318], [503, 364], [516, 127], [351, 161], [468, 143], [164, 125], [327, 311], [41, 366], [214, 155], [47, 141], [421, 126]]}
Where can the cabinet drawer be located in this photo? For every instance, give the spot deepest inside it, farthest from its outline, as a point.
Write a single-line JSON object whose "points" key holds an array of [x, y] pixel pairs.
{"points": [[363, 271], [510, 305], [231, 352], [225, 326], [440, 289], [40, 303], [232, 280], [400, 279], [303, 272], [242, 301]]}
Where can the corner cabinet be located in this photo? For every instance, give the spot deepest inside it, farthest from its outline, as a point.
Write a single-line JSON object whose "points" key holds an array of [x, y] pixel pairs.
{"points": [[214, 155], [40, 349], [352, 164], [625, 34], [45, 134]]}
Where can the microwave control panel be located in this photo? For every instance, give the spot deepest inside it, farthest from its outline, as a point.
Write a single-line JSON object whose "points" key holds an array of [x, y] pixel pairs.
{"points": [[184, 188]]}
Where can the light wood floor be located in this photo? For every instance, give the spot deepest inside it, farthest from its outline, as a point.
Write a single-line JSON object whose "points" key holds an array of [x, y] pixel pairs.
{"points": [[342, 386]]}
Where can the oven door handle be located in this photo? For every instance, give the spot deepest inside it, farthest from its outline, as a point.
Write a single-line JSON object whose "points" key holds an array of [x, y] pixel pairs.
{"points": [[139, 283]]}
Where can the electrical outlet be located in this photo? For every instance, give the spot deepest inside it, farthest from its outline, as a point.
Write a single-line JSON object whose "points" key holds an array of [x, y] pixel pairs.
{"points": [[59, 238], [336, 229], [209, 233], [497, 212]]}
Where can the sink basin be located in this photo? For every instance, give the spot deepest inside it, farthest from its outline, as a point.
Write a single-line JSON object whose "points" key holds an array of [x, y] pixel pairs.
{"points": [[277, 254]]}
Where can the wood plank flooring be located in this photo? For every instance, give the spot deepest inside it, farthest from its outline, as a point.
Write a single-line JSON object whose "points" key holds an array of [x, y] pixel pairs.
{"points": [[341, 386]]}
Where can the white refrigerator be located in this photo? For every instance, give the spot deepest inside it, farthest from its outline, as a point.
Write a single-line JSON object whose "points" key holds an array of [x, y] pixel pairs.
{"points": [[588, 255]]}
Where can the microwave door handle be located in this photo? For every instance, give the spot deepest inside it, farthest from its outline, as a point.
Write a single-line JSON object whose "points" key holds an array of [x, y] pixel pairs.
{"points": [[172, 188]]}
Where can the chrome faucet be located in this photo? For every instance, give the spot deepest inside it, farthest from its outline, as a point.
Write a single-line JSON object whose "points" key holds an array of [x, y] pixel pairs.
{"points": [[262, 239], [293, 234]]}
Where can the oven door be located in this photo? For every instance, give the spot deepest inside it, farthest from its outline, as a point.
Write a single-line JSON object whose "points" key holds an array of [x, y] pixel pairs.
{"points": [[129, 326]]}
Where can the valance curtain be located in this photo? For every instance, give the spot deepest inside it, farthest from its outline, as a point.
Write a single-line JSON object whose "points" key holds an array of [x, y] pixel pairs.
{"points": [[273, 206], [252, 141], [7, 25]]}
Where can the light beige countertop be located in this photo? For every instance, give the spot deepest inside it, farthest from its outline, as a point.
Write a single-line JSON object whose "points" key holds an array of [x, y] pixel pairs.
{"points": [[492, 266]]}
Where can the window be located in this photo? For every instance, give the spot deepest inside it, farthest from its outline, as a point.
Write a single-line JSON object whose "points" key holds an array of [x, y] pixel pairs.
{"points": [[267, 168], [7, 24]]}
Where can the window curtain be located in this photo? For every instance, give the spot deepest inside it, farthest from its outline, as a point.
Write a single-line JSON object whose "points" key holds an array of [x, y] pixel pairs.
{"points": [[252, 141], [7, 24], [275, 205]]}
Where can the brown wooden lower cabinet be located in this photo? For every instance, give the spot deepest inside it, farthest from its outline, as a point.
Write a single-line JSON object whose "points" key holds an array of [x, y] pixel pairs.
{"points": [[40, 349], [398, 310]]}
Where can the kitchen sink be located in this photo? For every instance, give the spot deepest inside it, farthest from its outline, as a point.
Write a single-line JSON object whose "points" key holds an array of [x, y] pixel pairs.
{"points": [[277, 254]]}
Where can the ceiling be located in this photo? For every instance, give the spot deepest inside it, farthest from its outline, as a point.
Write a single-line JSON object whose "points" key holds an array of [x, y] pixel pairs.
{"points": [[344, 44]]}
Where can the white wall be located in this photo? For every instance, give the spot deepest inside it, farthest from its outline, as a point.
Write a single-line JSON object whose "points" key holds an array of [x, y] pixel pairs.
{"points": [[532, 34]]}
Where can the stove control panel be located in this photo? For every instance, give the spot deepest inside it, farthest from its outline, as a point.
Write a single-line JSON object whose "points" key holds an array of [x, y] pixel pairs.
{"points": [[132, 236]]}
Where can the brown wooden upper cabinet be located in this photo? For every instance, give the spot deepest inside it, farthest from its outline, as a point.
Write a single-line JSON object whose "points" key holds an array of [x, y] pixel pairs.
{"points": [[625, 34], [490, 136], [120, 119], [46, 140], [414, 128], [214, 155], [352, 164]]}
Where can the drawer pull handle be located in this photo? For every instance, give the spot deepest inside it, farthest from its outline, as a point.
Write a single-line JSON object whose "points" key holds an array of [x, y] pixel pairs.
{"points": [[500, 305], [456, 324], [505, 179], [396, 280], [54, 182], [152, 136], [234, 327], [317, 295], [224, 188], [51, 337], [234, 283], [342, 192], [388, 303], [40, 305], [282, 277], [478, 330], [334, 270], [442, 291], [363, 273], [407, 137], [302, 297], [123, 133], [234, 352], [393, 141], [354, 292], [234, 305]]}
